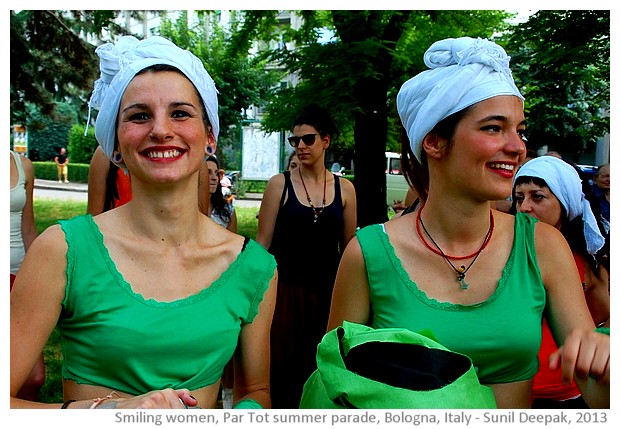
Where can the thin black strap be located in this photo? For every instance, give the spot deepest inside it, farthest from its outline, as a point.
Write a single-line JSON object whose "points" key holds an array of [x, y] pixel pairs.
{"points": [[246, 240], [287, 179], [337, 193]]}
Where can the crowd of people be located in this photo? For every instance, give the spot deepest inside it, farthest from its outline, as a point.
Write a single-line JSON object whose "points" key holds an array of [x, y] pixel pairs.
{"points": [[161, 304]]}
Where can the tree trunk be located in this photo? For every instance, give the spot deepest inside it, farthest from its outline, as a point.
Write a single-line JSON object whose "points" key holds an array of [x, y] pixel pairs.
{"points": [[370, 134], [370, 93]]}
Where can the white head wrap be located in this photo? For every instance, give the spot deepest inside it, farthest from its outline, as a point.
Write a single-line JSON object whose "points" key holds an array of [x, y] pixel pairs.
{"points": [[464, 71], [563, 180], [120, 62]]}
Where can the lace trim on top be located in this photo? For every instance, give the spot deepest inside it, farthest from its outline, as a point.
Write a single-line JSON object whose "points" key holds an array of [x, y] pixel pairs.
{"points": [[264, 283], [432, 302], [203, 294]]}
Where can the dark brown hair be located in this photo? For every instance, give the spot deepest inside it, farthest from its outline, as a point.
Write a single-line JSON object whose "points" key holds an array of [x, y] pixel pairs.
{"points": [[319, 118], [416, 172]]}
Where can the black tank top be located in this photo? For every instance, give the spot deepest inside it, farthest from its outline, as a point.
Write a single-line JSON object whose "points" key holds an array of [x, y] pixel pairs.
{"points": [[308, 252]]}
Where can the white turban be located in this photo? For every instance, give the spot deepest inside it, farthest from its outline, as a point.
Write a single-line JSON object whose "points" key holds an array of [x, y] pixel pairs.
{"points": [[464, 71], [120, 62], [565, 183]]}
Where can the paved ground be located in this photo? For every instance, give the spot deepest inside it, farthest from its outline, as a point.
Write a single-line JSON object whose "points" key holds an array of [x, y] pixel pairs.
{"points": [[53, 189], [52, 184]]}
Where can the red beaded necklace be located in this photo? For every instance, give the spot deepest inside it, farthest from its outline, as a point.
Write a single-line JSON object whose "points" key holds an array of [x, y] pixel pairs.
{"points": [[462, 270]]}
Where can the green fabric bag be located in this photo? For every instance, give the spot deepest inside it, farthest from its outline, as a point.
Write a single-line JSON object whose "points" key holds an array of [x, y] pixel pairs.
{"points": [[392, 368]]}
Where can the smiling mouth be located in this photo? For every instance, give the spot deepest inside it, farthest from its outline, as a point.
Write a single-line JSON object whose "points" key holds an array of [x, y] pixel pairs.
{"points": [[171, 153], [501, 166]]}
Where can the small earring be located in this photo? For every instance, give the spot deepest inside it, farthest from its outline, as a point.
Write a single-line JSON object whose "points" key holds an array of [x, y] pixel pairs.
{"points": [[209, 150], [117, 157]]}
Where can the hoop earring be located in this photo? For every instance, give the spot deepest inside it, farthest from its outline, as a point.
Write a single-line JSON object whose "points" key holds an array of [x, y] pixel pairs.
{"points": [[209, 150], [117, 157]]}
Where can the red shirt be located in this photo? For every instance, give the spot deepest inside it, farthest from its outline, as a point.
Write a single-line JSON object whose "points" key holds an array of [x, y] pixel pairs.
{"points": [[547, 383], [123, 186]]}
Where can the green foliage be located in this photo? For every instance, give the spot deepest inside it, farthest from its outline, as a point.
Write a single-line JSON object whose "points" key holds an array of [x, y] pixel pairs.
{"points": [[329, 71], [47, 133], [250, 186], [561, 59], [47, 171], [242, 80], [81, 147], [50, 61]]}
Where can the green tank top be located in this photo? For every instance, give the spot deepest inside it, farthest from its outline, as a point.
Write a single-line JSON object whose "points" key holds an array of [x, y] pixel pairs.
{"points": [[114, 337], [501, 335]]}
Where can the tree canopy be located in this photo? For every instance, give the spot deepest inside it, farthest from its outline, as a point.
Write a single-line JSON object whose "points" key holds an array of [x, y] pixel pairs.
{"points": [[241, 79], [561, 59], [51, 61]]}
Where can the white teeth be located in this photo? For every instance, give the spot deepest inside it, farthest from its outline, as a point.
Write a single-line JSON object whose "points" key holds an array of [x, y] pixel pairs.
{"points": [[165, 154], [503, 166]]}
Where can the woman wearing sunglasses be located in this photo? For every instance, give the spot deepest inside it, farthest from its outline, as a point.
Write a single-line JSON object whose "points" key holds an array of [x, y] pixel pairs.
{"points": [[307, 217]]}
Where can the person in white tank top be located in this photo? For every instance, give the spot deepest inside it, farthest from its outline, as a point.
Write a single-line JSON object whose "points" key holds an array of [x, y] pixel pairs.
{"points": [[23, 230], [23, 233]]}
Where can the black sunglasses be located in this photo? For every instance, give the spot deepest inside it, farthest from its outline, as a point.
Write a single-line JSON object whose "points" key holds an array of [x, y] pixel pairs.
{"points": [[308, 140]]}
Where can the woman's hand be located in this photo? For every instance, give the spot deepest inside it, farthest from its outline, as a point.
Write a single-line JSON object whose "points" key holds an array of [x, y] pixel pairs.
{"points": [[585, 358], [159, 399]]}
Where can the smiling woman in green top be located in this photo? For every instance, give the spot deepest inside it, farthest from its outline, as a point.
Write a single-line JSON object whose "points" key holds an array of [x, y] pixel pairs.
{"points": [[152, 299], [478, 279]]}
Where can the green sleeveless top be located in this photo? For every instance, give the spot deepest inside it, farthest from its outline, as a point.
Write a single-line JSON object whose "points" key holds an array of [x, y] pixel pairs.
{"points": [[114, 337], [501, 335]]}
